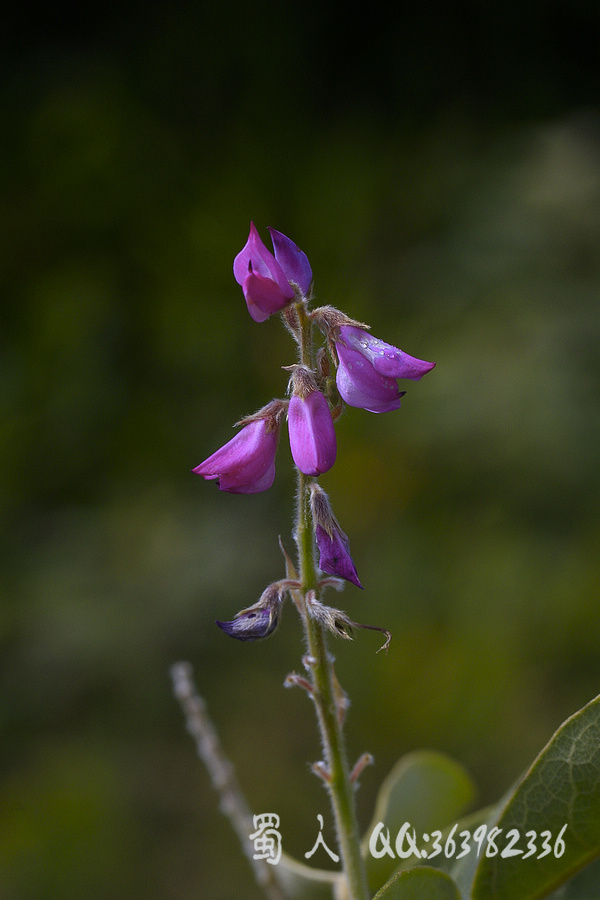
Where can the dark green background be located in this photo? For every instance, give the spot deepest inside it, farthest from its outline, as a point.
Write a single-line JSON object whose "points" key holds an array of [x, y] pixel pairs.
{"points": [[440, 165]]}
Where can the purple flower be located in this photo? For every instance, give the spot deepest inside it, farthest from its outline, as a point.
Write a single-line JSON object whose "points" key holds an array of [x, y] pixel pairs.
{"points": [[267, 279], [368, 369], [312, 433], [246, 464]]}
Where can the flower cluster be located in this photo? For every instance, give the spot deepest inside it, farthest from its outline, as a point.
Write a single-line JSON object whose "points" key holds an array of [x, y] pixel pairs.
{"points": [[366, 376]]}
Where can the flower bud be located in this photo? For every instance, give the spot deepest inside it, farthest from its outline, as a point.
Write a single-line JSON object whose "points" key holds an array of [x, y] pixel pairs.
{"points": [[311, 429]]}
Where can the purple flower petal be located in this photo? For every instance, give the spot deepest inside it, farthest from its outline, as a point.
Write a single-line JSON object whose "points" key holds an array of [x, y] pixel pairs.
{"points": [[246, 464], [368, 369], [312, 433], [263, 296], [292, 260], [361, 386], [387, 360]]}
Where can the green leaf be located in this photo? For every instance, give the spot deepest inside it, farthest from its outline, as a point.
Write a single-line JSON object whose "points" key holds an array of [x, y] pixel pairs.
{"points": [[562, 787], [420, 883], [301, 882], [429, 790]]}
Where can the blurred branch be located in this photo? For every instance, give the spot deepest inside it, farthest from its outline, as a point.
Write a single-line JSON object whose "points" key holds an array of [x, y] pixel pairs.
{"points": [[222, 774]]}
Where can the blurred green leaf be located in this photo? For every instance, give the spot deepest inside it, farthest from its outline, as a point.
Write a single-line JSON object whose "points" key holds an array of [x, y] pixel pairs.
{"points": [[562, 788], [583, 886], [427, 789], [418, 884], [463, 870]]}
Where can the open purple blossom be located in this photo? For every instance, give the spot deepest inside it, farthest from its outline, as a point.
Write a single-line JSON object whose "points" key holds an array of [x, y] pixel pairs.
{"points": [[368, 369], [246, 463], [267, 279], [312, 433]]}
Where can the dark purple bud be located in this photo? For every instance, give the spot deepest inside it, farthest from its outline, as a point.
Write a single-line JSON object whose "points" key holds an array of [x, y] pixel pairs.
{"points": [[332, 543], [334, 554], [267, 280]]}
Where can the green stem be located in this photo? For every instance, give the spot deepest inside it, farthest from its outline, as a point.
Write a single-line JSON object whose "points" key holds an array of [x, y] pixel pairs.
{"points": [[340, 787]]}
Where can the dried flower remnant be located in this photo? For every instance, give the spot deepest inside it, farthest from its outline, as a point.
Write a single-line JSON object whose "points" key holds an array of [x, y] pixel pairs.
{"points": [[260, 620]]}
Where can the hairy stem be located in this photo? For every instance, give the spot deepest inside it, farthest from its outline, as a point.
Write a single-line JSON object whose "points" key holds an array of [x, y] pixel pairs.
{"points": [[323, 680]]}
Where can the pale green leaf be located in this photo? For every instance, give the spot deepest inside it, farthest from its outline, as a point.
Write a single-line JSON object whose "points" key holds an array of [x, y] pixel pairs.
{"points": [[562, 787], [426, 788]]}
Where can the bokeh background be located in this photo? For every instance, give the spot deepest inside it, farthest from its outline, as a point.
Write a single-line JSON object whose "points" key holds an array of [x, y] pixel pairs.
{"points": [[440, 165]]}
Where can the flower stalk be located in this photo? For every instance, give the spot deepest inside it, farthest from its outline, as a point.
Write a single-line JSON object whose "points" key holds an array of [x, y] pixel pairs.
{"points": [[366, 373]]}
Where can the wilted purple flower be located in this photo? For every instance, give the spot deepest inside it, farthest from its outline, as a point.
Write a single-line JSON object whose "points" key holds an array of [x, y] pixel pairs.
{"points": [[312, 433], [251, 625], [246, 464], [260, 620], [368, 369], [267, 279]]}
